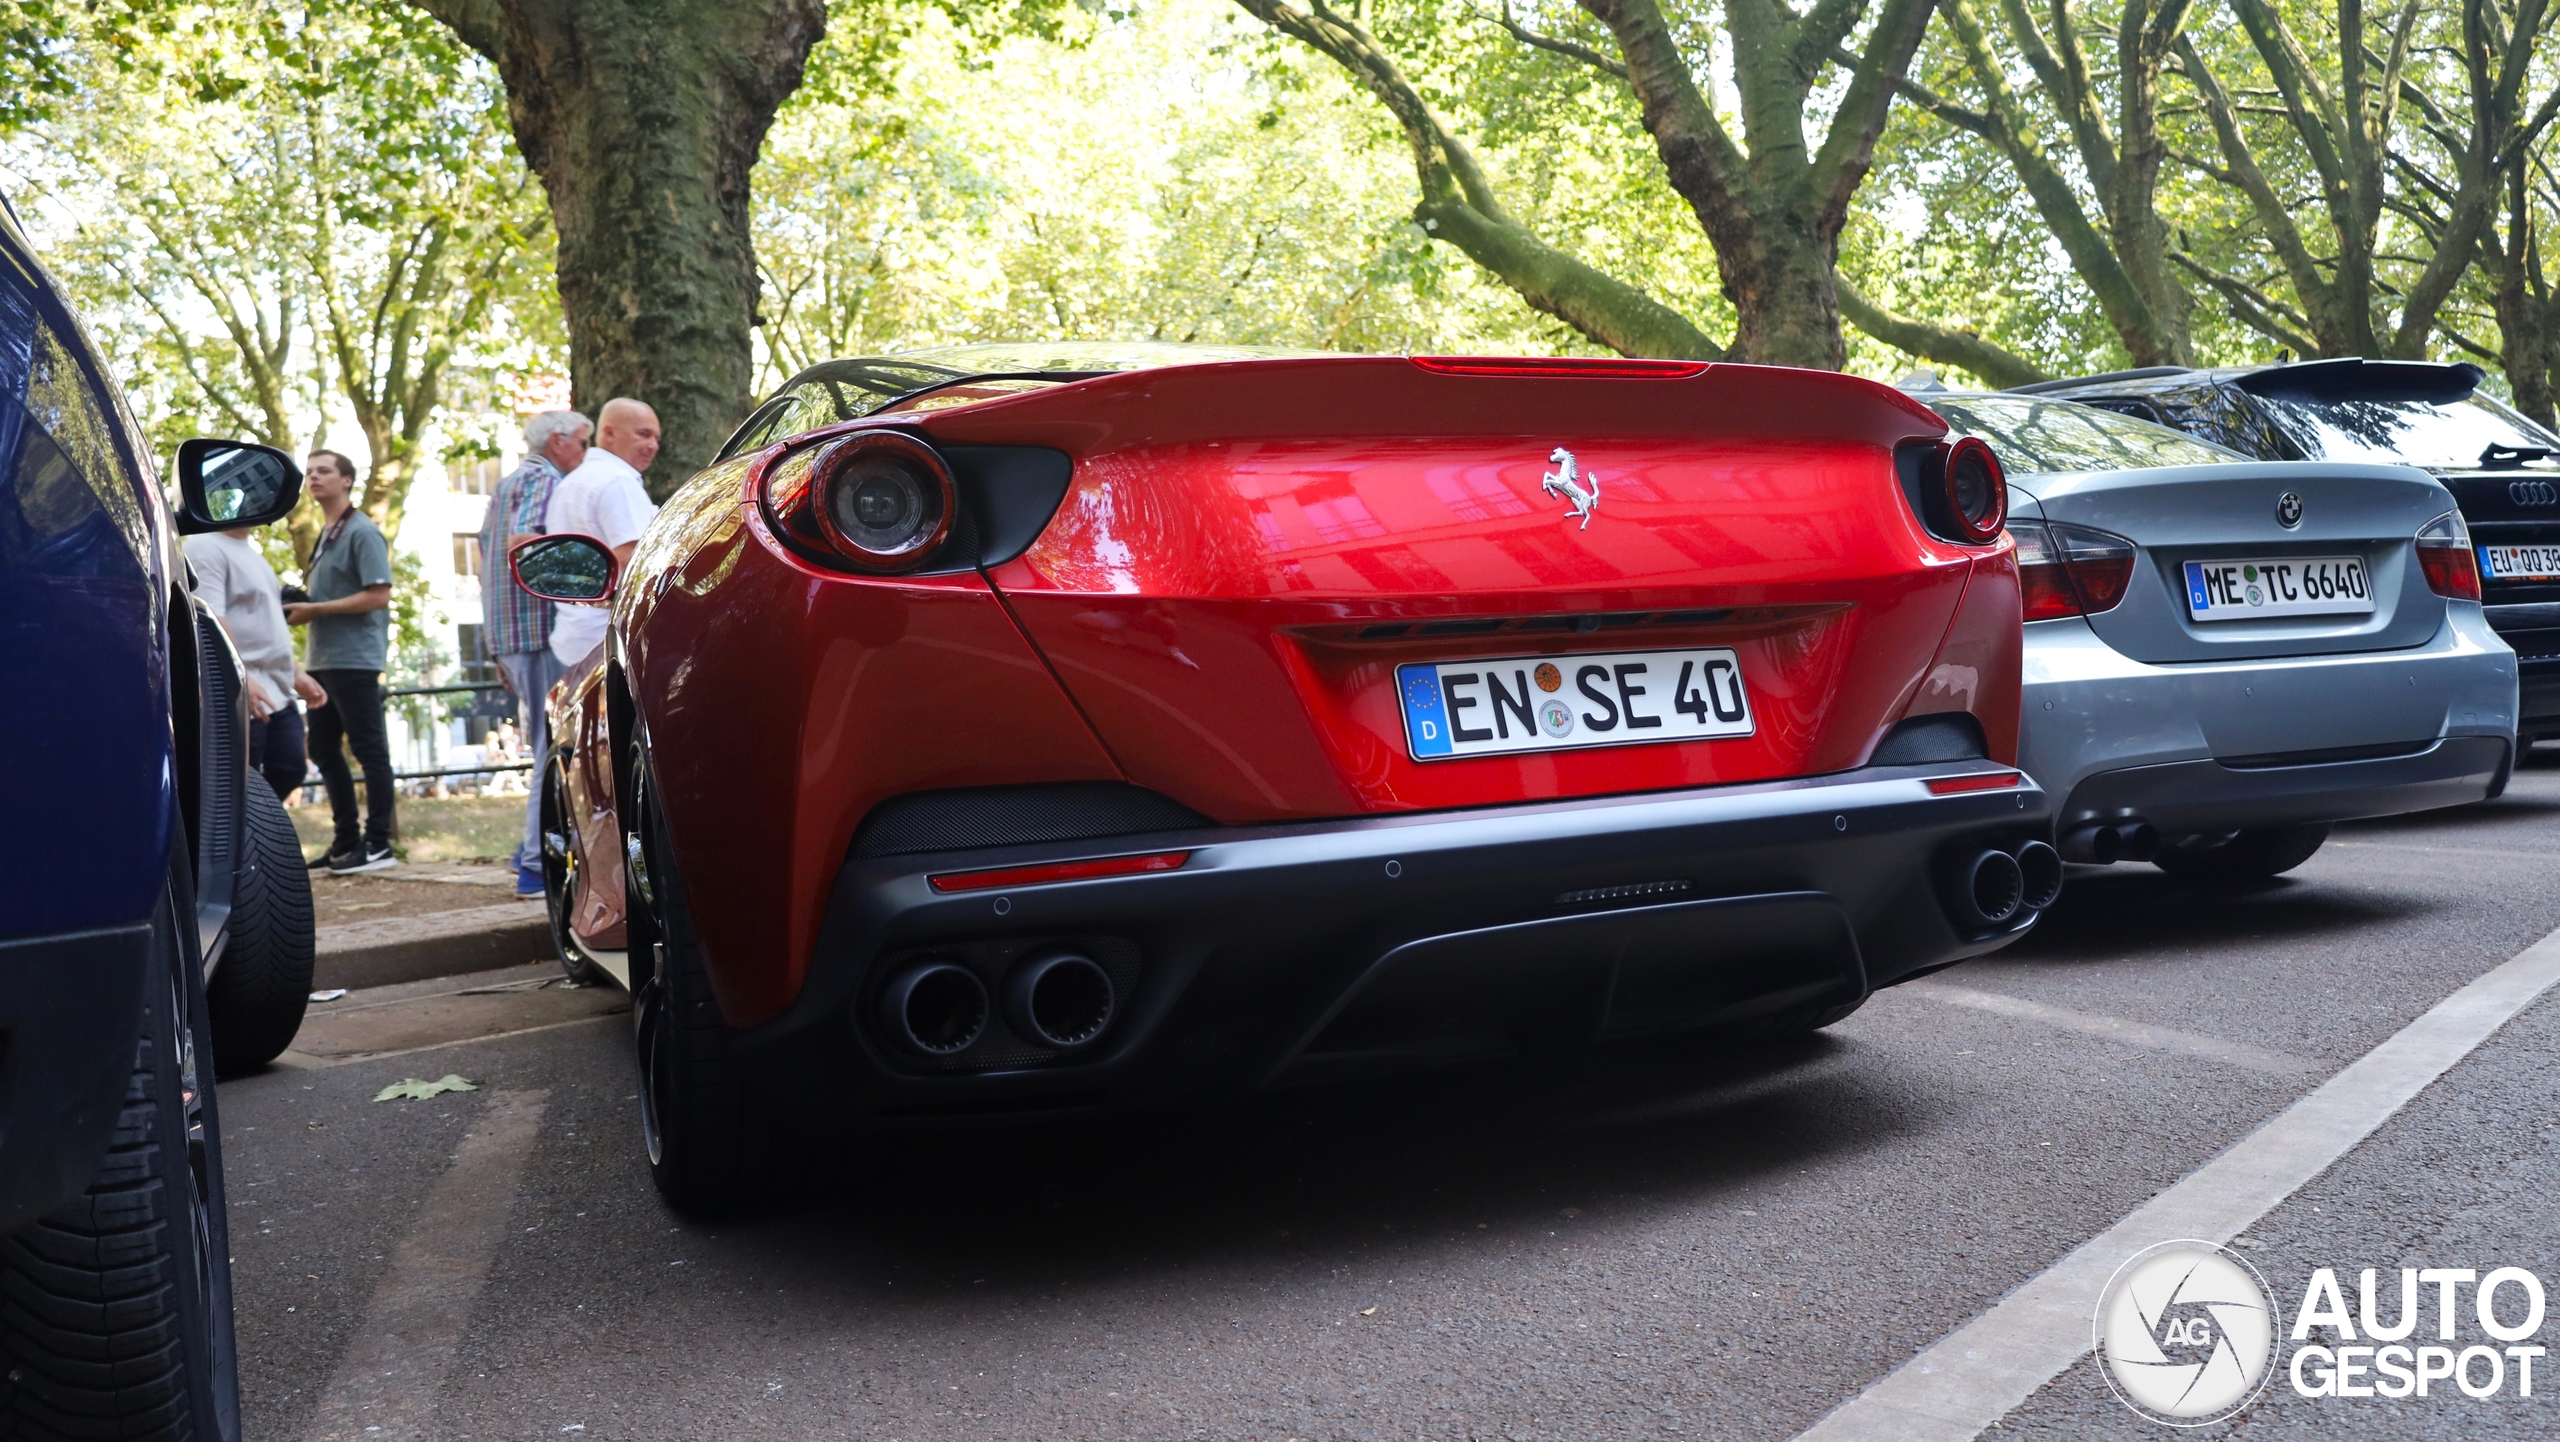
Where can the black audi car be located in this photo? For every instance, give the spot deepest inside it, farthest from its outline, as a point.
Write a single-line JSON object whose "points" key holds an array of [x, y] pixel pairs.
{"points": [[2503, 469]]}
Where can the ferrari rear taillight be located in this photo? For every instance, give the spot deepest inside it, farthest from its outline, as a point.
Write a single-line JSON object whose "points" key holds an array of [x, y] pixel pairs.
{"points": [[1977, 492], [2066, 570], [2444, 553], [1957, 488], [875, 501]]}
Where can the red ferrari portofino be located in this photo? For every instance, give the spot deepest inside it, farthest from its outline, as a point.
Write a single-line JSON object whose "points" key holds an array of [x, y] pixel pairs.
{"points": [[1009, 728]]}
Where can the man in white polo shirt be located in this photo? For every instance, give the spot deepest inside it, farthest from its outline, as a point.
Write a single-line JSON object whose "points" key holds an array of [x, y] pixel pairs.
{"points": [[603, 498]]}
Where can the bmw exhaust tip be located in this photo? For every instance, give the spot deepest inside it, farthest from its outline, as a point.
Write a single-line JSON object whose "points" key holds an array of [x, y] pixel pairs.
{"points": [[1985, 891], [2137, 840], [1063, 1000], [2040, 869], [2093, 846], [935, 1008]]}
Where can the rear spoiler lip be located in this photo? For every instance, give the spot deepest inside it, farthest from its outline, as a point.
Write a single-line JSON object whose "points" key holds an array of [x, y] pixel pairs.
{"points": [[1381, 397], [2353, 378]]}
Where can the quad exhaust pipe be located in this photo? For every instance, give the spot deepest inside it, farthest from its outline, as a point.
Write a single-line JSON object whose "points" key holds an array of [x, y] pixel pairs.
{"points": [[1058, 999], [2132, 839], [1993, 887], [935, 1008]]}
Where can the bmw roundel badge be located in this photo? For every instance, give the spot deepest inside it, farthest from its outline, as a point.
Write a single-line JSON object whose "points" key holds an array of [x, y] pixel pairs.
{"points": [[2289, 510]]}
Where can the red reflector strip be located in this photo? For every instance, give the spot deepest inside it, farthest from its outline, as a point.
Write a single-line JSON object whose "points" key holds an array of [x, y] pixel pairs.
{"points": [[1592, 368], [1987, 781], [1059, 871]]}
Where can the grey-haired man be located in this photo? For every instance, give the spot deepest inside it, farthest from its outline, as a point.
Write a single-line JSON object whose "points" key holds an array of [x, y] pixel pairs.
{"points": [[516, 628]]}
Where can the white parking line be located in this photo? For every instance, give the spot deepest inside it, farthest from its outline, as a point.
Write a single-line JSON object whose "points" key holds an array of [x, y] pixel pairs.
{"points": [[1978, 1373], [393, 1368], [2131, 1033]]}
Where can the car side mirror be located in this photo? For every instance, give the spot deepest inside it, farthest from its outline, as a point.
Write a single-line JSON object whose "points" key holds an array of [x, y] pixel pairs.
{"points": [[223, 485], [571, 569]]}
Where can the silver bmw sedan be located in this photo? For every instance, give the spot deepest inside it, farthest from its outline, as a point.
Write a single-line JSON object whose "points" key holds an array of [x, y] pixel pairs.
{"points": [[2226, 656]]}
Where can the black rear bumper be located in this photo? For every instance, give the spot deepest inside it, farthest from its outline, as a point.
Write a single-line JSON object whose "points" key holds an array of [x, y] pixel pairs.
{"points": [[2188, 798], [1285, 952], [70, 1009], [2533, 629]]}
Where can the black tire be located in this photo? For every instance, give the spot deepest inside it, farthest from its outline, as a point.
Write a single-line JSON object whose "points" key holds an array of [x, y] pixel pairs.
{"points": [[712, 1121], [559, 869], [115, 1311], [2252, 855], [262, 985]]}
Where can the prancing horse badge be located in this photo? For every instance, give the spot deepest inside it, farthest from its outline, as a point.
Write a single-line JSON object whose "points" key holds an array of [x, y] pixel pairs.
{"points": [[1567, 481]]}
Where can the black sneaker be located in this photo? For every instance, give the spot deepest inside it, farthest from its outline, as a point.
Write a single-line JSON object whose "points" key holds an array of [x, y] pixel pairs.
{"points": [[327, 855], [362, 858]]}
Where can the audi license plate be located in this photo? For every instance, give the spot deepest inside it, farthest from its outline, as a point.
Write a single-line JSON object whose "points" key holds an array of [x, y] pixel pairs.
{"points": [[1554, 703], [2521, 563], [2244, 590]]}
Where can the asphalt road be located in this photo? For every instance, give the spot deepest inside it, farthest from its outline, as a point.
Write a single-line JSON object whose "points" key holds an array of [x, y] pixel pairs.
{"points": [[1723, 1247]]}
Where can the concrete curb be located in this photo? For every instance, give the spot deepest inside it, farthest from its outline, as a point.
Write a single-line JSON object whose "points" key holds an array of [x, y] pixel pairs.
{"points": [[444, 943]]}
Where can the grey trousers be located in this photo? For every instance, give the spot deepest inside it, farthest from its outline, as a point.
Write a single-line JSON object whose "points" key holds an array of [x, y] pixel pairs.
{"points": [[530, 675]]}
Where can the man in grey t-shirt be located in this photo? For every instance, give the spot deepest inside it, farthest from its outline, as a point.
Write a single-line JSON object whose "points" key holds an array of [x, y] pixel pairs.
{"points": [[349, 614]]}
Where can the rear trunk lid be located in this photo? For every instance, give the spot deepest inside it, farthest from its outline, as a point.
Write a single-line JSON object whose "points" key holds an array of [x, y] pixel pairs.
{"points": [[1255, 563], [2224, 520]]}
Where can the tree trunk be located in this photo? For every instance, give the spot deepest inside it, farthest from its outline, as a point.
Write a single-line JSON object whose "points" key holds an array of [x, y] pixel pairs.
{"points": [[644, 118]]}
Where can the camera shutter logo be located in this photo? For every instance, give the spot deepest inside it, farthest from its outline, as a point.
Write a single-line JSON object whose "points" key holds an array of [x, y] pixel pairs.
{"points": [[2533, 493], [2186, 1333]]}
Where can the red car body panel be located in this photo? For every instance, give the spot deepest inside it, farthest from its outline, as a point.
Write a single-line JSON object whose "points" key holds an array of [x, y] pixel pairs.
{"points": [[1245, 553], [782, 703]]}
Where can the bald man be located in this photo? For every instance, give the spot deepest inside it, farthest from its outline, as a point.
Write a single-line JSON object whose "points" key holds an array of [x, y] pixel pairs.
{"points": [[603, 498]]}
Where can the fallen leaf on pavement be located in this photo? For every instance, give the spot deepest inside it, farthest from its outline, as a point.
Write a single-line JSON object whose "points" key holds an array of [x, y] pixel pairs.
{"points": [[413, 1090]]}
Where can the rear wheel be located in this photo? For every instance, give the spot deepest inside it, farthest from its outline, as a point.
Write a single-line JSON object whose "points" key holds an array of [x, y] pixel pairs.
{"points": [[257, 995], [115, 1312], [2252, 855], [559, 878], [711, 1119]]}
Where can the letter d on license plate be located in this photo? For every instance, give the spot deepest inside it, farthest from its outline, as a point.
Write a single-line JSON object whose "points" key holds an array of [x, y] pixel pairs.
{"points": [[1557, 703]]}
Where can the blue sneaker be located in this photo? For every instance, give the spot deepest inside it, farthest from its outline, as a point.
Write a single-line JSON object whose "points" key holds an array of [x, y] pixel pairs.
{"points": [[528, 883]]}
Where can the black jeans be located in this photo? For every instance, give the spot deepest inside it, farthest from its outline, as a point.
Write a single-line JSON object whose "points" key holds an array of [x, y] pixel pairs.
{"points": [[354, 717], [276, 751]]}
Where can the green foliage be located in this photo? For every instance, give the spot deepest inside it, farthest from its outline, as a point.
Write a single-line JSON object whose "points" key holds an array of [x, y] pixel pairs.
{"points": [[273, 211], [1168, 174]]}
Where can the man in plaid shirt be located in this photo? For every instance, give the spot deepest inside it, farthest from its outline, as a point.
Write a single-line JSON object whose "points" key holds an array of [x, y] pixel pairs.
{"points": [[516, 628]]}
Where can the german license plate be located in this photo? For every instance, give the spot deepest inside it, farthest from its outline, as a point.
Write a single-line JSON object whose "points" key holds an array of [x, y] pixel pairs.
{"points": [[2521, 563], [2247, 590], [1556, 703]]}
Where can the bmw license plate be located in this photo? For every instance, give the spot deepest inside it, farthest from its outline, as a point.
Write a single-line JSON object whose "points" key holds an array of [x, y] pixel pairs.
{"points": [[1554, 703], [2246, 590], [2521, 563]]}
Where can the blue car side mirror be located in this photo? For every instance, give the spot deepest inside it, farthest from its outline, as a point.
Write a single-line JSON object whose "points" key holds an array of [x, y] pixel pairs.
{"points": [[227, 484]]}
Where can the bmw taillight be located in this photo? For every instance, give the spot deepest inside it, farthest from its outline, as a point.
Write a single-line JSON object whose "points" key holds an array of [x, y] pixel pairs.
{"points": [[876, 501], [2444, 553], [2066, 570]]}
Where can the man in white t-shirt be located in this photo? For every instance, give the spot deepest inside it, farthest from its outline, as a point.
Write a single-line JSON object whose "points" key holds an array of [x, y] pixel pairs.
{"points": [[603, 498], [235, 582]]}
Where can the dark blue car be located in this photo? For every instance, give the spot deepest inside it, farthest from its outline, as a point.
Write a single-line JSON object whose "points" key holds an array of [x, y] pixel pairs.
{"points": [[138, 858]]}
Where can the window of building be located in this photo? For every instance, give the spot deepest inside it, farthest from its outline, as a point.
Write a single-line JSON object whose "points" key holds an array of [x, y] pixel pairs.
{"points": [[466, 553]]}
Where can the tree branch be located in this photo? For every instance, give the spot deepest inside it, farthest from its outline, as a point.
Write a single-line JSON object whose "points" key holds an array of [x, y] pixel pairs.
{"points": [[1571, 50], [1964, 349]]}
